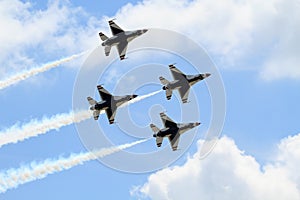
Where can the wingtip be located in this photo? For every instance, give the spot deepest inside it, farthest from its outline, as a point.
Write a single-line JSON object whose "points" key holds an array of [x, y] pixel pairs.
{"points": [[111, 20], [99, 86], [172, 65]]}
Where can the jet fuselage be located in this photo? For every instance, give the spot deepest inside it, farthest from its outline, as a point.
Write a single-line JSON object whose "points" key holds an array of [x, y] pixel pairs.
{"points": [[126, 36], [180, 128], [115, 101], [191, 79]]}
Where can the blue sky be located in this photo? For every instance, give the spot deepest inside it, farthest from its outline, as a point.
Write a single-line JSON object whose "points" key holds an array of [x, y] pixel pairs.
{"points": [[256, 55]]}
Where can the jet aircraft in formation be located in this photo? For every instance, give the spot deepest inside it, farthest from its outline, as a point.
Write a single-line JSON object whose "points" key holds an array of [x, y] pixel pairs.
{"points": [[120, 39], [109, 103], [181, 82], [172, 130]]}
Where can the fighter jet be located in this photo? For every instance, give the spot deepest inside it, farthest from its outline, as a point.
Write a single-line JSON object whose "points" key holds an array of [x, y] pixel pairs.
{"points": [[120, 39], [109, 103], [172, 130], [182, 82]]}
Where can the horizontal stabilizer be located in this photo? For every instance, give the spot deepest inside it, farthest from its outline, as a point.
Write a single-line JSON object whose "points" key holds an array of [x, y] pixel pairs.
{"points": [[102, 36], [91, 101], [154, 128], [163, 80]]}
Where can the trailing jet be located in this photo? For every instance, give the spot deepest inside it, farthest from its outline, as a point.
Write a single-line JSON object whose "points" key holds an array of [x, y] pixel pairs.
{"points": [[120, 39], [109, 103], [181, 82], [172, 130]]}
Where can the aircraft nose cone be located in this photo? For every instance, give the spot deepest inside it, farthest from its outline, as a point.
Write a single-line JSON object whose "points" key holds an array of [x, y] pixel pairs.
{"points": [[154, 135], [164, 87], [134, 96], [197, 123], [207, 74], [145, 30]]}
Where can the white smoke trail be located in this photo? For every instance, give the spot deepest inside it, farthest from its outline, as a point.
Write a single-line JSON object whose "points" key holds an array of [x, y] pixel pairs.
{"points": [[34, 71], [35, 127], [12, 178], [139, 98]]}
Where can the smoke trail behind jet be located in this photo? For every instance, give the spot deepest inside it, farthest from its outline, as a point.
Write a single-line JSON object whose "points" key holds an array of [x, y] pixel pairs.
{"points": [[12, 178], [139, 98], [36, 127], [34, 71]]}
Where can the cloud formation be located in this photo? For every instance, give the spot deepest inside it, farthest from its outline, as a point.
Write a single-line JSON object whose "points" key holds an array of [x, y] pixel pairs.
{"points": [[228, 173], [239, 34], [32, 35]]}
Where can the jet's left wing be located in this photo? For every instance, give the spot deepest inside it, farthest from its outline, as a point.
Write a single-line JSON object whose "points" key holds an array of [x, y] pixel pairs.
{"points": [[115, 29], [177, 74], [184, 91], [167, 121], [122, 48], [174, 140], [111, 113]]}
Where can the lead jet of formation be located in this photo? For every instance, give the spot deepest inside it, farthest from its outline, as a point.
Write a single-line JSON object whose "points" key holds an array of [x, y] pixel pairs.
{"points": [[120, 39], [172, 130], [181, 82], [109, 103]]}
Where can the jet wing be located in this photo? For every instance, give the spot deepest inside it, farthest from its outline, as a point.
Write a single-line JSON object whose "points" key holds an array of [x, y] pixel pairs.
{"points": [[115, 29], [184, 91], [96, 114], [122, 47], [159, 141], [174, 140], [167, 121], [177, 74], [111, 113], [105, 95]]}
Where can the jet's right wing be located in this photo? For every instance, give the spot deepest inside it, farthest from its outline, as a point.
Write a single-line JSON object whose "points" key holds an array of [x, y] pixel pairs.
{"points": [[115, 29], [177, 74], [174, 140], [105, 95], [185, 86], [167, 121], [122, 48], [111, 113], [159, 141]]}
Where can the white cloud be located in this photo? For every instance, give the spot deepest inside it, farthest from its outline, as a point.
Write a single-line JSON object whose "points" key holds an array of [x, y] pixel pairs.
{"points": [[239, 34], [264, 36], [228, 173], [33, 36]]}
